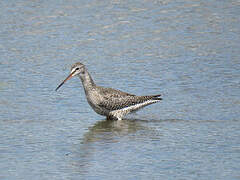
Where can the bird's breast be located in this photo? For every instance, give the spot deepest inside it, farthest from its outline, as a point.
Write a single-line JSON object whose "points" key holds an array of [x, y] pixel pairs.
{"points": [[94, 99]]}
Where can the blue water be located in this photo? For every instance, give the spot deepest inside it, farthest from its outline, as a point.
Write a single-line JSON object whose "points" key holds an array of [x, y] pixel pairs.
{"points": [[186, 50]]}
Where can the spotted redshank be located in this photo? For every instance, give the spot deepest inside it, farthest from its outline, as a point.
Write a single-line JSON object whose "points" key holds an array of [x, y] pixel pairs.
{"points": [[112, 103]]}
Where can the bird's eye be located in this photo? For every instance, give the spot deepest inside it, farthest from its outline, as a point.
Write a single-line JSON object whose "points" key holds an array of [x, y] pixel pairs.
{"points": [[77, 68]]}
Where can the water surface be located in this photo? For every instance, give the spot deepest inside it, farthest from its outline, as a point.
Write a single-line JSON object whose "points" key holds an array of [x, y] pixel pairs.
{"points": [[188, 51]]}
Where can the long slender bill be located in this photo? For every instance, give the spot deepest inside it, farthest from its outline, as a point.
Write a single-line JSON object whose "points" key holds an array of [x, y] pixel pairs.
{"points": [[69, 77]]}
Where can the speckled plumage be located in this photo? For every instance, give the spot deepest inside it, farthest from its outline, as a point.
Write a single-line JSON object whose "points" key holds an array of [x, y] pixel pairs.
{"points": [[112, 103]]}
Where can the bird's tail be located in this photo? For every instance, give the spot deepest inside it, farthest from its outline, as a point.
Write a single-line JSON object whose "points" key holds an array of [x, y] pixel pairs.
{"points": [[156, 97]]}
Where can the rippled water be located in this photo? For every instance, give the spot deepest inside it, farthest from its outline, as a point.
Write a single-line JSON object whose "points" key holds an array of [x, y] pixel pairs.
{"points": [[186, 50]]}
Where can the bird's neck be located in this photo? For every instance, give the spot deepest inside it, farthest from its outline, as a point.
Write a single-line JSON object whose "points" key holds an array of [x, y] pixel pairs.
{"points": [[87, 81]]}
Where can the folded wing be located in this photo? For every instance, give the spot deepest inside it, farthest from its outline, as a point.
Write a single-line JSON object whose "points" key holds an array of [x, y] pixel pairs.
{"points": [[115, 100]]}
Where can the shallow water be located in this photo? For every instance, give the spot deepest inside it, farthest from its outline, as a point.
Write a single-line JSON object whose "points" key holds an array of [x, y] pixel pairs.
{"points": [[187, 51]]}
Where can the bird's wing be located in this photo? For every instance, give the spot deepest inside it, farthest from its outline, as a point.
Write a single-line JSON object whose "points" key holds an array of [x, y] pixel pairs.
{"points": [[112, 99]]}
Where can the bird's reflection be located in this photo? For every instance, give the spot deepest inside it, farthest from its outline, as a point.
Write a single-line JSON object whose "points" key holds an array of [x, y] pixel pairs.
{"points": [[107, 138], [99, 138], [108, 131]]}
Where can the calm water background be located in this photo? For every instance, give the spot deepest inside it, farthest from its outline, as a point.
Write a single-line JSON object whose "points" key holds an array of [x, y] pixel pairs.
{"points": [[189, 51]]}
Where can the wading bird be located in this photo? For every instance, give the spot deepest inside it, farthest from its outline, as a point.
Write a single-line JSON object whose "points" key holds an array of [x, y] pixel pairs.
{"points": [[112, 103]]}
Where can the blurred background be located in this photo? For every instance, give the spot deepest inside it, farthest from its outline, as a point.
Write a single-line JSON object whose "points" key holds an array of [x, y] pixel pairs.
{"points": [[188, 51]]}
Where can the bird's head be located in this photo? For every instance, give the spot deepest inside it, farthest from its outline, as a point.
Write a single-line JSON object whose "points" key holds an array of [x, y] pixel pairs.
{"points": [[77, 68]]}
